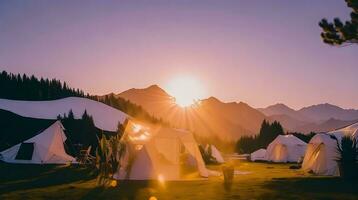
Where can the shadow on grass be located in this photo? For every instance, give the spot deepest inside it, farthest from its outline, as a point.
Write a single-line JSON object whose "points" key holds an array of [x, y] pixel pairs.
{"points": [[126, 190], [15, 177], [312, 187]]}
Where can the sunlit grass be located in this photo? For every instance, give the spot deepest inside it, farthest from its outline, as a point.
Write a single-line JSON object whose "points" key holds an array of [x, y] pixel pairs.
{"points": [[266, 181]]}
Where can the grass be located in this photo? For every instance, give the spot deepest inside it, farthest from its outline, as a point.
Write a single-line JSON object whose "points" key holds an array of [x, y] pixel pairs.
{"points": [[266, 181]]}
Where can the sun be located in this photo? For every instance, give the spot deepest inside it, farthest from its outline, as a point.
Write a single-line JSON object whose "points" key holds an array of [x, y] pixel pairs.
{"points": [[186, 90]]}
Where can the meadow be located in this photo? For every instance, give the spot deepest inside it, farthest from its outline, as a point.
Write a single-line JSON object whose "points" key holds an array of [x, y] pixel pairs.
{"points": [[258, 181]]}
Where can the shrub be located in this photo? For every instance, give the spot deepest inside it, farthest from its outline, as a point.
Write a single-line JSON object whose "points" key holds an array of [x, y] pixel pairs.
{"points": [[348, 155], [207, 157], [108, 155]]}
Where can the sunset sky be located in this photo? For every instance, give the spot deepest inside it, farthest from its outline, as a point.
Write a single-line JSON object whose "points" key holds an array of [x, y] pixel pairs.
{"points": [[259, 52]]}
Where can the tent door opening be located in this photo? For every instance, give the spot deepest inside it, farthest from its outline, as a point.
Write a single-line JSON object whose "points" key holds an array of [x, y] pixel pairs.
{"points": [[25, 152]]}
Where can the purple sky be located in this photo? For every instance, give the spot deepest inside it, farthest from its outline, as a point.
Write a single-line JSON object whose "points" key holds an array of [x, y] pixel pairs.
{"points": [[259, 52]]}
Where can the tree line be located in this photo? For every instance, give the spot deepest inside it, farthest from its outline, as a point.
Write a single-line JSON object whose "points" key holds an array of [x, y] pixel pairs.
{"points": [[268, 132], [23, 87]]}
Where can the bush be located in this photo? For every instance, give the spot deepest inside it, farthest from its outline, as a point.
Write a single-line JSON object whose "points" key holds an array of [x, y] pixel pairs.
{"points": [[207, 157], [347, 160], [108, 155]]}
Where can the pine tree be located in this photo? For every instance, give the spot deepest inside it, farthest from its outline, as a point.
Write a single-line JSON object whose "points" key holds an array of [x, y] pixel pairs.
{"points": [[337, 32], [71, 116], [22, 87]]}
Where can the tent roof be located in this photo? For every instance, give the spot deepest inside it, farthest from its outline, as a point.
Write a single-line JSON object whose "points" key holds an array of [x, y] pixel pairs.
{"points": [[350, 130], [289, 140], [139, 133], [322, 138], [259, 151]]}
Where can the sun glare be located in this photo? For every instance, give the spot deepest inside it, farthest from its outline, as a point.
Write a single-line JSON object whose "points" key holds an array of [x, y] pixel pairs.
{"points": [[185, 90]]}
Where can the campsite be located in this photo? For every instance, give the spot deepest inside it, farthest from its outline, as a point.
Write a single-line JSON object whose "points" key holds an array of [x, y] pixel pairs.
{"points": [[39, 176], [179, 99]]}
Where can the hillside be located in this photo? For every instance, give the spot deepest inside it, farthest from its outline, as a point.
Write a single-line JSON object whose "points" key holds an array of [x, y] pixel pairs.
{"points": [[208, 118], [288, 122], [327, 111], [14, 128], [105, 117], [325, 126], [31, 88], [316, 118], [282, 109]]}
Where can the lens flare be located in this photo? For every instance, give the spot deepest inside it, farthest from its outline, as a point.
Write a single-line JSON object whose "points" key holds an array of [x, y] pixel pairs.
{"points": [[186, 90]]}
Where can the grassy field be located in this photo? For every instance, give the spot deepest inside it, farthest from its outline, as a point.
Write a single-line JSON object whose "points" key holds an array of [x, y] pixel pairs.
{"points": [[265, 181]]}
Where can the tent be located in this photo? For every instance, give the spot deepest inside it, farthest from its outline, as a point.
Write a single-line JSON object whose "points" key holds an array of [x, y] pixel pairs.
{"points": [[286, 148], [258, 155], [46, 147], [157, 153], [321, 154], [215, 153]]}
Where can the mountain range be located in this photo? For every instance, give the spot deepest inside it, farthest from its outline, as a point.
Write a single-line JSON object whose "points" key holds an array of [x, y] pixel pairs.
{"points": [[316, 118], [229, 121]]}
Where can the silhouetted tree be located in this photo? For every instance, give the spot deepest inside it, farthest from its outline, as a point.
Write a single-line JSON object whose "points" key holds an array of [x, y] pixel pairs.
{"points": [[337, 32], [268, 132], [71, 115], [31, 88]]}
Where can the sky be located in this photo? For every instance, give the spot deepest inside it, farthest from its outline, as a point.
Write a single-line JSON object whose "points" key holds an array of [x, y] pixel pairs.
{"points": [[258, 52]]}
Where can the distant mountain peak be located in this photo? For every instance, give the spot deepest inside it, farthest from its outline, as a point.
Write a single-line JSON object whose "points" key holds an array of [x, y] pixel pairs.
{"points": [[322, 105], [154, 87], [212, 100], [153, 90], [282, 109], [278, 108], [326, 111], [280, 105]]}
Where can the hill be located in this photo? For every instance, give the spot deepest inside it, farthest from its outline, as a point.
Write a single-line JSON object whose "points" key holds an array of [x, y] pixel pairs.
{"points": [[288, 122], [316, 118], [325, 126], [31, 88], [327, 111], [104, 117], [283, 110]]}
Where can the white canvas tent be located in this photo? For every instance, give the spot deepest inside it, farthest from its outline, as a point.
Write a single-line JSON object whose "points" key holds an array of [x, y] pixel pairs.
{"points": [[321, 154], [259, 155], [45, 148], [154, 153], [286, 148], [215, 153]]}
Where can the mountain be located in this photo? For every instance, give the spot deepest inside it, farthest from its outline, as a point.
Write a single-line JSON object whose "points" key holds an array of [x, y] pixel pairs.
{"points": [[282, 109], [328, 125], [104, 117], [317, 118], [288, 122], [153, 99], [327, 111], [207, 118]]}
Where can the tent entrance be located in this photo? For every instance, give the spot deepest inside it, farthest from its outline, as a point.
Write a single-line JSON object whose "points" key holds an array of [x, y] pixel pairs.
{"points": [[25, 151]]}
